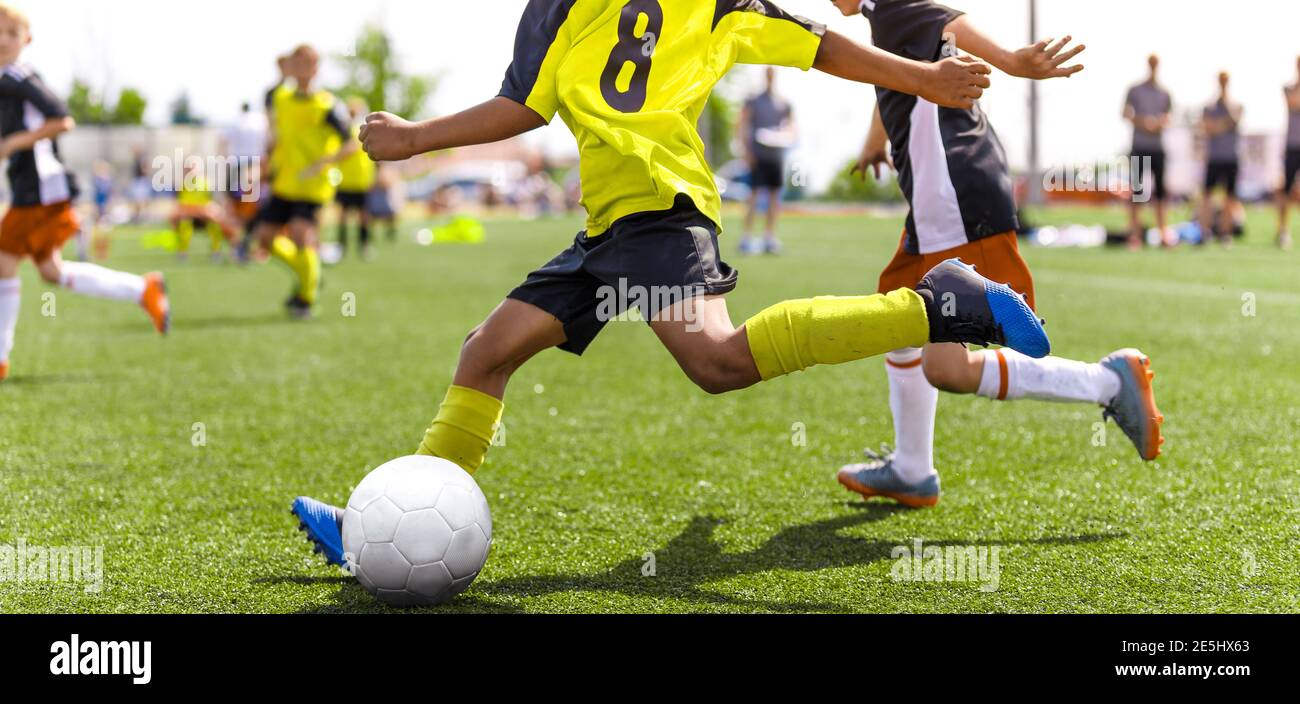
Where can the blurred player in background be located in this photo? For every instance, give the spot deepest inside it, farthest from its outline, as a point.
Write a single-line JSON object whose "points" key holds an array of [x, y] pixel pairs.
{"points": [[1147, 107], [244, 144], [654, 211], [309, 135], [380, 206], [197, 208], [41, 218], [1221, 125], [357, 178], [954, 173], [1291, 180], [766, 132]]}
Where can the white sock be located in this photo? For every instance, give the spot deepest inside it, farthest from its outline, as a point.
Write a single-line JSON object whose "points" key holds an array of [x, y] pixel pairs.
{"points": [[10, 296], [98, 282], [1010, 375], [912, 400]]}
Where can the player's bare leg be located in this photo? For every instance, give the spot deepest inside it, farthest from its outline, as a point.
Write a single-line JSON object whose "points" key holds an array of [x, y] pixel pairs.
{"points": [[771, 244], [1284, 200], [713, 353], [497, 348]]}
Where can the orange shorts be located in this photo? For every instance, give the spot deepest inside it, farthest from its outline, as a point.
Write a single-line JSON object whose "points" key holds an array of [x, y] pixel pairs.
{"points": [[38, 231], [996, 258]]}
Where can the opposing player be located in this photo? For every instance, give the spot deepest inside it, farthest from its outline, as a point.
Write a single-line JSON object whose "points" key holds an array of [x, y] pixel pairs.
{"points": [[954, 173], [41, 217], [653, 210], [309, 135]]}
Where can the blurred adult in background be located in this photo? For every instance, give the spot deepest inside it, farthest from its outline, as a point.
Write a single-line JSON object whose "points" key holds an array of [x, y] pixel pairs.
{"points": [[1147, 108], [1289, 190], [1221, 125], [766, 132], [244, 142], [141, 190]]}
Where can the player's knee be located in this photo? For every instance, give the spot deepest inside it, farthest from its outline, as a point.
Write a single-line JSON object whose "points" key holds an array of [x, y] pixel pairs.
{"points": [[946, 374], [717, 374], [49, 272], [483, 357]]}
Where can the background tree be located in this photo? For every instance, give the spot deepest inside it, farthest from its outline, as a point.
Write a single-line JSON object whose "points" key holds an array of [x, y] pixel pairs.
{"points": [[88, 107], [183, 112], [374, 74]]}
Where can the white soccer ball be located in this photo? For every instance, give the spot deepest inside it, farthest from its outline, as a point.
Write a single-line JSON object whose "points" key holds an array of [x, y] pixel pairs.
{"points": [[416, 531]]}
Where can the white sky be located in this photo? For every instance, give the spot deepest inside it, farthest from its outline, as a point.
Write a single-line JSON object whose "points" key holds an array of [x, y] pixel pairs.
{"points": [[222, 53]]}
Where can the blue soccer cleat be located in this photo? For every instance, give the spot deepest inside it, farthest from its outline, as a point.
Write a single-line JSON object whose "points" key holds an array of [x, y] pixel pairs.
{"points": [[964, 307], [320, 522], [877, 477]]}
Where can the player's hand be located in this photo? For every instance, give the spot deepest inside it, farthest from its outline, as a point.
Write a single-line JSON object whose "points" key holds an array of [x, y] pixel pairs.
{"points": [[387, 137], [955, 82], [1045, 60], [872, 159], [312, 171]]}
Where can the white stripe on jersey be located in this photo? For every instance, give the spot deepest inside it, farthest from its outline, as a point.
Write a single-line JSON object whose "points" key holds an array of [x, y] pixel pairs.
{"points": [[935, 209], [53, 177]]}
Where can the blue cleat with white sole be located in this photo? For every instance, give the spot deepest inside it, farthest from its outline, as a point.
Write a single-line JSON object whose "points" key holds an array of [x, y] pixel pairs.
{"points": [[878, 477], [1134, 408], [964, 307], [320, 522]]}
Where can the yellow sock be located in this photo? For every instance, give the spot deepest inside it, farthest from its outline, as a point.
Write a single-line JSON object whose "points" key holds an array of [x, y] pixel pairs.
{"points": [[284, 249], [216, 235], [308, 274], [184, 233], [464, 427], [795, 335]]}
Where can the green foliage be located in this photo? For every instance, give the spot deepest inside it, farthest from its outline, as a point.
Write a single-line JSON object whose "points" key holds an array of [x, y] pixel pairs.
{"points": [[849, 187], [88, 107], [374, 74]]}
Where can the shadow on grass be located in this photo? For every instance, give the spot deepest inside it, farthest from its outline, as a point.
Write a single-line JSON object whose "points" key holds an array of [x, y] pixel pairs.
{"points": [[689, 562], [694, 559], [227, 322], [60, 379]]}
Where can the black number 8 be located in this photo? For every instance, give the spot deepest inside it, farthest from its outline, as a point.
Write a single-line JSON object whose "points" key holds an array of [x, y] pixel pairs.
{"points": [[639, 51]]}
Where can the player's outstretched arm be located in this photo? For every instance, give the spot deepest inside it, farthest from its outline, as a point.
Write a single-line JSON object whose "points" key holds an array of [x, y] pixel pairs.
{"points": [[875, 152], [1040, 61], [22, 141], [387, 137], [951, 83]]}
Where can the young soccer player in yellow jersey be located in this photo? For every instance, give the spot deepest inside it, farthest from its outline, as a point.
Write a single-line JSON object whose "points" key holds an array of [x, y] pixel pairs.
{"points": [[358, 177], [40, 217], [196, 207], [630, 79], [309, 131]]}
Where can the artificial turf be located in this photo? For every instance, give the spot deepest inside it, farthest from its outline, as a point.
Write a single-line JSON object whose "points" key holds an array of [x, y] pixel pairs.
{"points": [[614, 462]]}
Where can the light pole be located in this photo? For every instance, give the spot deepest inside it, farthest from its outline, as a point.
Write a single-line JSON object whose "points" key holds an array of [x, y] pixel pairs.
{"points": [[1035, 190]]}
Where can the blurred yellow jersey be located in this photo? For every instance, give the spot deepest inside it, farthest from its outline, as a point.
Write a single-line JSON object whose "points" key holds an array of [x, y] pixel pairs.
{"points": [[194, 192], [630, 79], [357, 171], [308, 128]]}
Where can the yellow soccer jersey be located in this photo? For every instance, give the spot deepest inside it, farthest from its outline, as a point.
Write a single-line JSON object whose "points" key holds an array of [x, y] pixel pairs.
{"points": [[358, 171], [194, 191], [630, 79], [308, 128]]}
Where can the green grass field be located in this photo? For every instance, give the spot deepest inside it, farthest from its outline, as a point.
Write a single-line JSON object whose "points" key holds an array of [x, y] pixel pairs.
{"points": [[616, 456]]}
